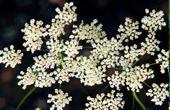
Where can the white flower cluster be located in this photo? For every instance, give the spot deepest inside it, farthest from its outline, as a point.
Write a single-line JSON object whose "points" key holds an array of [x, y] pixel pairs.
{"points": [[131, 77], [129, 30], [62, 58], [10, 57], [109, 101], [107, 51], [88, 72], [86, 31], [59, 100], [64, 18], [135, 76], [38, 78], [116, 80], [153, 21], [44, 62], [33, 34], [163, 59], [27, 79], [158, 93], [71, 49]]}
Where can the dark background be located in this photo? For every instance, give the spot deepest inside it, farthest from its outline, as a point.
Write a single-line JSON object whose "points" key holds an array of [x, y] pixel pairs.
{"points": [[15, 13]]}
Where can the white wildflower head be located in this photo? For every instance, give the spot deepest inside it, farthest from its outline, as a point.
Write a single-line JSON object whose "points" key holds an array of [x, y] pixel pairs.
{"points": [[129, 31], [37, 78], [158, 93], [109, 101], [106, 51], [10, 57], [33, 34], [163, 59], [62, 75], [71, 48], [153, 21], [64, 17], [116, 80], [136, 75], [59, 100], [64, 58], [47, 61], [27, 78], [86, 31], [88, 72], [151, 45], [44, 79]]}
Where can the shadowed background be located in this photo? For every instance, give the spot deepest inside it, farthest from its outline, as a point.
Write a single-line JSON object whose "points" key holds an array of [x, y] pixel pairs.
{"points": [[15, 13]]}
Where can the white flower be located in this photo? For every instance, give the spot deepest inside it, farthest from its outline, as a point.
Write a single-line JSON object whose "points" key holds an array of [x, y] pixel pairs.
{"points": [[151, 45], [158, 93], [34, 77], [136, 75], [110, 101], [61, 75], [153, 21], [163, 59], [71, 48], [33, 34], [64, 17], [47, 61], [116, 80], [63, 61], [59, 100], [86, 31], [88, 72], [107, 51], [131, 54], [28, 78], [10, 57], [129, 31], [44, 79]]}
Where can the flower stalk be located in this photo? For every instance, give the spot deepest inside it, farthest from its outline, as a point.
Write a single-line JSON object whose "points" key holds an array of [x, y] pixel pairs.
{"points": [[138, 100], [25, 98]]}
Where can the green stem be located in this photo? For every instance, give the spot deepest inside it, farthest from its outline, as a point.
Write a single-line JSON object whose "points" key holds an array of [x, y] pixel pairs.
{"points": [[105, 88], [147, 85], [138, 100], [133, 103], [25, 98]]}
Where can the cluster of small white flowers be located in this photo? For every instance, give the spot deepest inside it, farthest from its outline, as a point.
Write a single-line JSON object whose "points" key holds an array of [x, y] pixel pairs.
{"points": [[59, 100], [71, 49], [131, 54], [151, 45], [33, 34], [44, 62], [27, 79], [116, 80], [111, 101], [107, 51], [153, 21], [10, 57], [64, 17], [88, 72], [55, 46], [158, 93], [86, 31], [37, 78], [63, 60], [62, 75], [129, 31], [163, 59], [44, 79], [134, 76]]}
